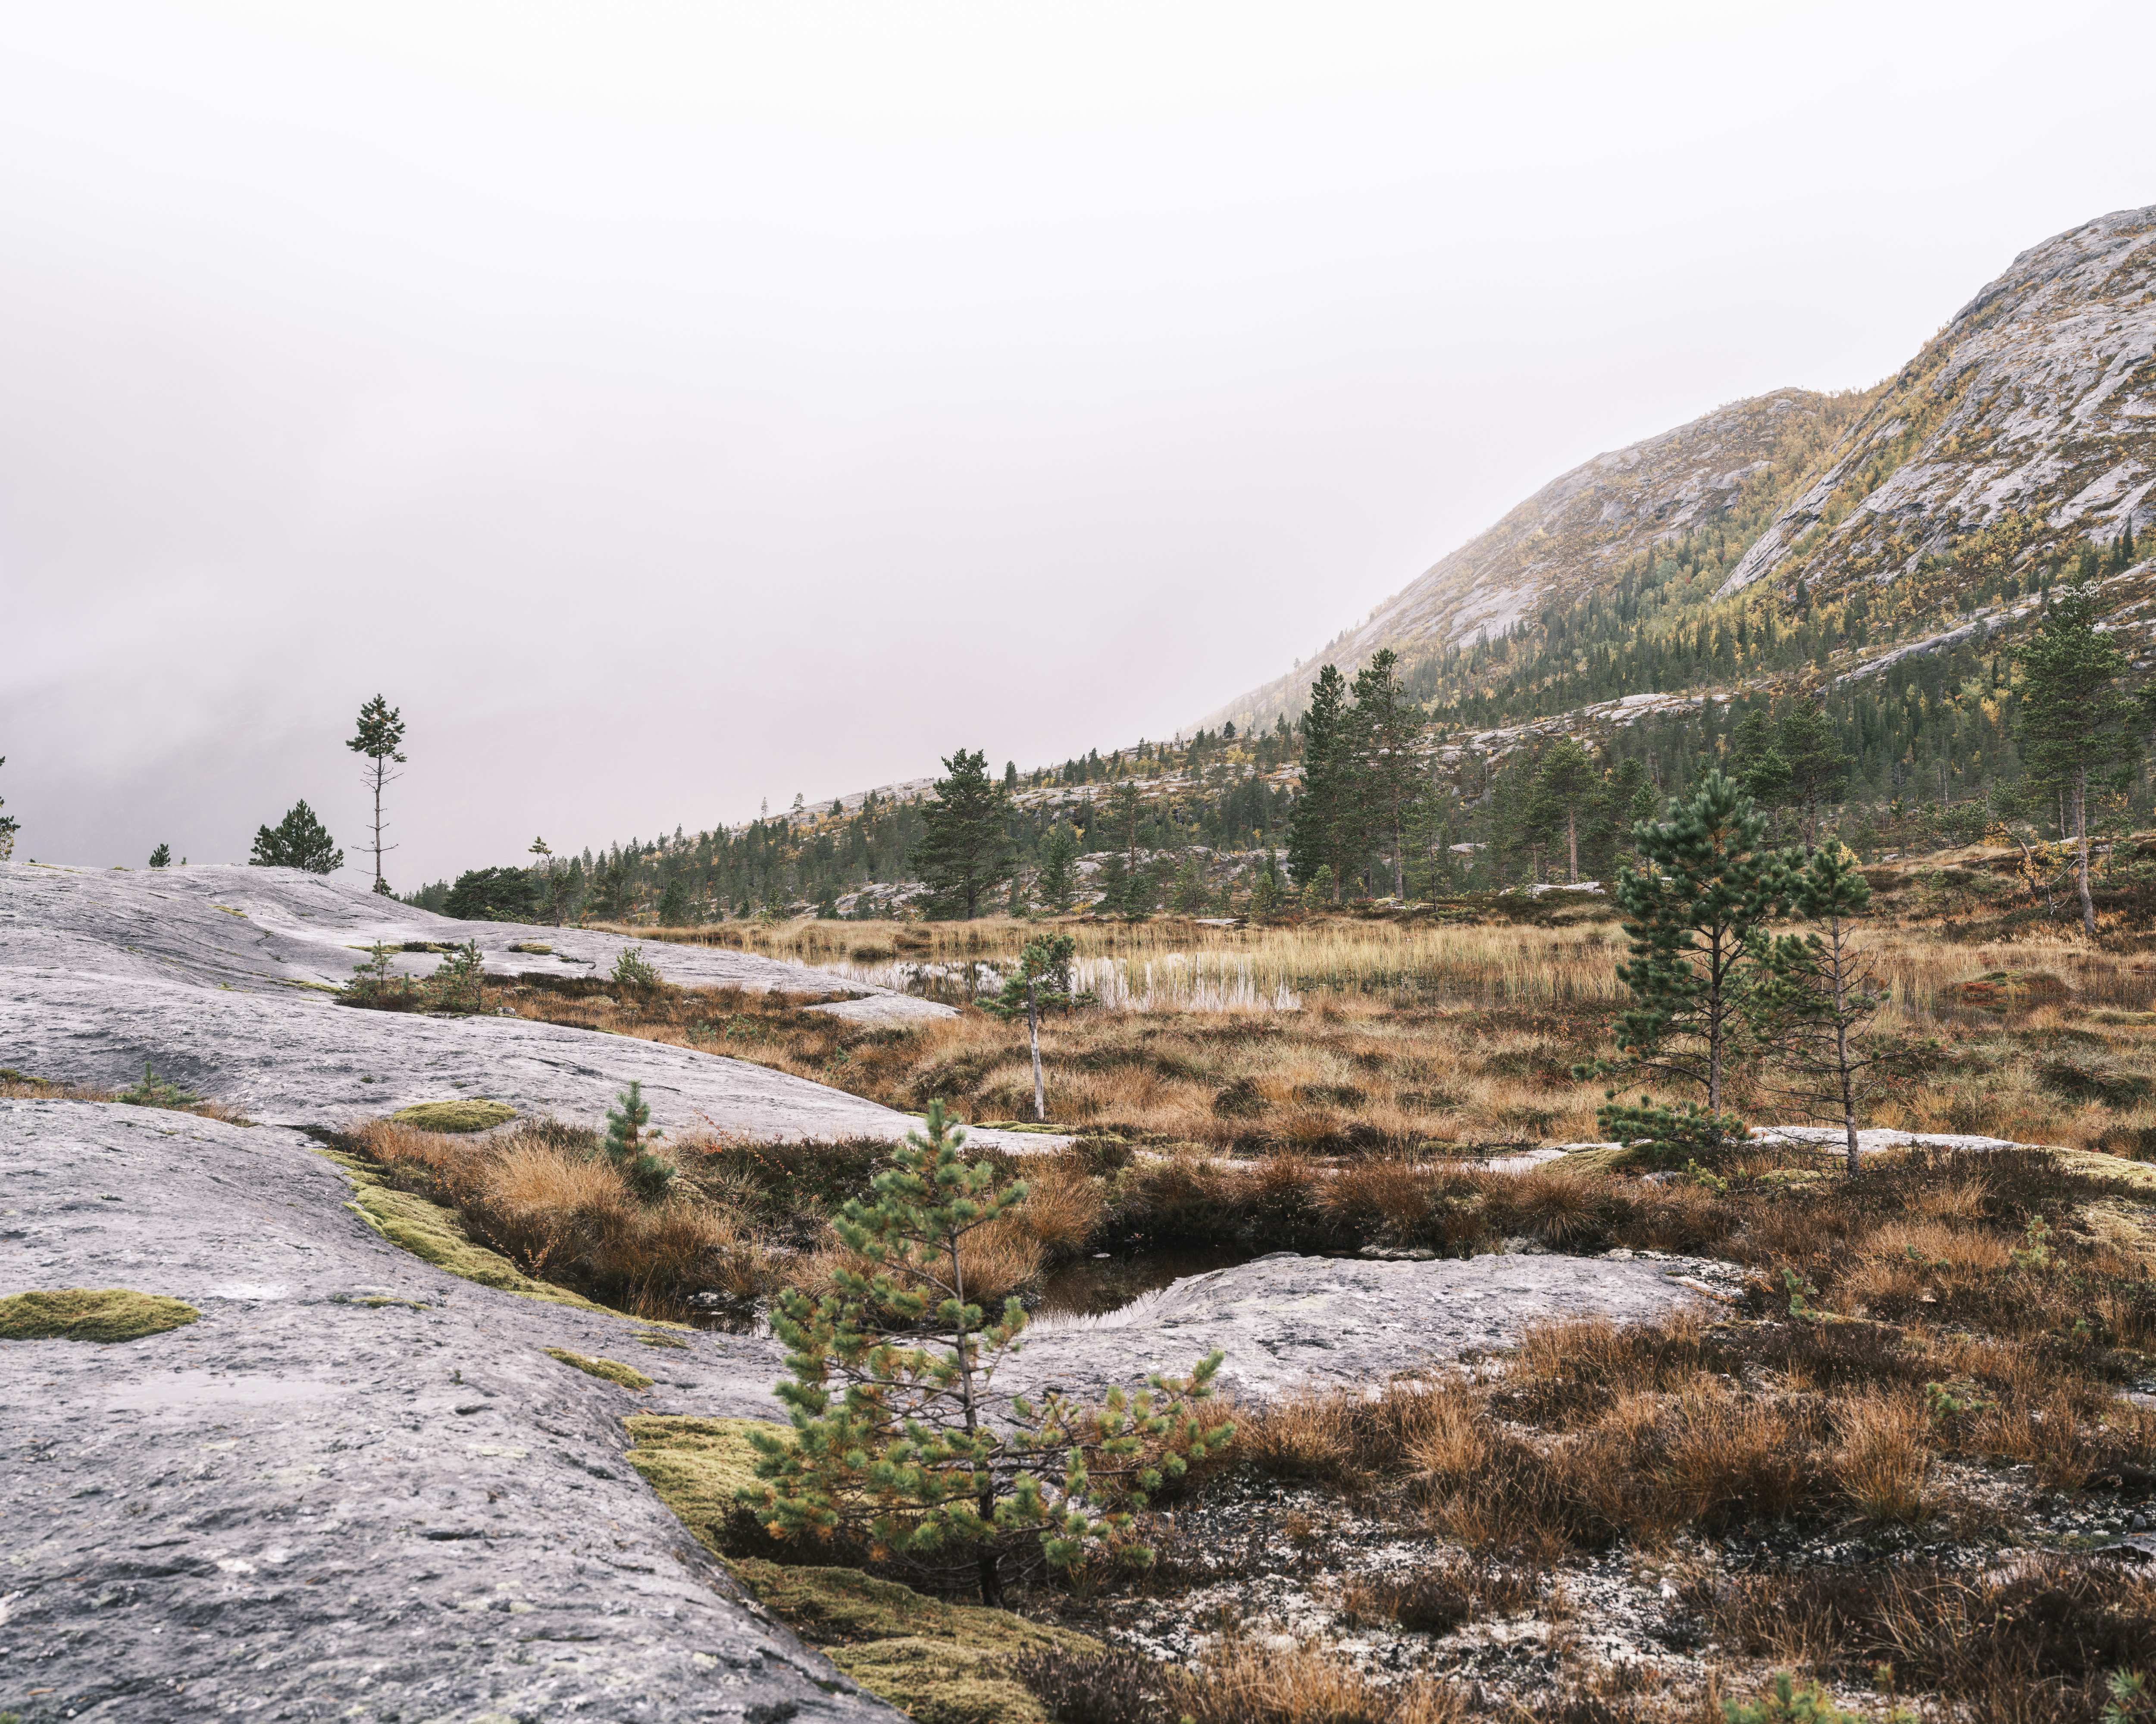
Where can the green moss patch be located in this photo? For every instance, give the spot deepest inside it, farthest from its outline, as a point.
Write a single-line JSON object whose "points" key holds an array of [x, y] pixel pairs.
{"points": [[453, 1116], [93, 1314], [532, 946], [434, 1234], [941, 1663], [613, 1370]]}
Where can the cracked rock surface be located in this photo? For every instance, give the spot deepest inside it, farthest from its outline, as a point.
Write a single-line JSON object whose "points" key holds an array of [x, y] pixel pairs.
{"points": [[357, 1487], [218, 977]]}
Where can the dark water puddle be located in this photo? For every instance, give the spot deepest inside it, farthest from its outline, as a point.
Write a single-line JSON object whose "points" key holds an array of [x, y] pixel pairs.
{"points": [[1094, 1286]]}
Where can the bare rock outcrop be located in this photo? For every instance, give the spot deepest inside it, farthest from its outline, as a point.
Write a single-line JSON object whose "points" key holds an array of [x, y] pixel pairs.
{"points": [[357, 1488], [222, 979]]}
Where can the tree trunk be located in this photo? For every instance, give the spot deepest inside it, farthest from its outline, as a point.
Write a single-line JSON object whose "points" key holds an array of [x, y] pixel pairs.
{"points": [[1571, 845], [2081, 843], [1033, 1028], [1842, 1041]]}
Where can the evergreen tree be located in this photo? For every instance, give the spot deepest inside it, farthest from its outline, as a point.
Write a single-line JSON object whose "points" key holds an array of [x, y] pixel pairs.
{"points": [[1823, 993], [1323, 813], [493, 895], [162, 856], [964, 851], [1818, 771], [1695, 909], [1565, 786], [1041, 983], [1386, 727], [2073, 719], [297, 842], [629, 1148], [1057, 880], [1763, 771], [380, 737], [8, 826], [674, 903], [917, 1450]]}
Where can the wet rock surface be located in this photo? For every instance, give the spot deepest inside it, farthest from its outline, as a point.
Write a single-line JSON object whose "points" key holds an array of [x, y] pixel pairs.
{"points": [[357, 1487], [220, 979]]}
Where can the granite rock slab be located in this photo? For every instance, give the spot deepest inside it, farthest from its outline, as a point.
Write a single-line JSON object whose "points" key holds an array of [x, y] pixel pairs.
{"points": [[357, 1487], [221, 979]]}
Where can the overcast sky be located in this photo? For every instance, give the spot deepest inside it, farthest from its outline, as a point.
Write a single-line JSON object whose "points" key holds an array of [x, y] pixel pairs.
{"points": [[673, 406]]}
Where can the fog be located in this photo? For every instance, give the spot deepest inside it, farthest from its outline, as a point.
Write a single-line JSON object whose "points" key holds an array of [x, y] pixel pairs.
{"points": [[673, 407]]}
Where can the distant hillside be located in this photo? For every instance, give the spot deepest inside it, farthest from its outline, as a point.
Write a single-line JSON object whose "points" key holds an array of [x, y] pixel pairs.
{"points": [[2030, 418], [2025, 428], [1721, 478]]}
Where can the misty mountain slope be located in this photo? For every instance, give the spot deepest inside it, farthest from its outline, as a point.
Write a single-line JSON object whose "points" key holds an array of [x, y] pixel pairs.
{"points": [[2030, 418], [2025, 426], [1737, 466]]}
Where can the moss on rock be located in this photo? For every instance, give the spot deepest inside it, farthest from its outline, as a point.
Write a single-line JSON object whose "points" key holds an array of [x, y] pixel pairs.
{"points": [[433, 1234], [453, 1116], [942, 1663], [613, 1370], [93, 1314]]}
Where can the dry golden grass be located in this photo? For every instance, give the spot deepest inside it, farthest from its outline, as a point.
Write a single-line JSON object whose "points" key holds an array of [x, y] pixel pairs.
{"points": [[1244, 1683], [561, 1213]]}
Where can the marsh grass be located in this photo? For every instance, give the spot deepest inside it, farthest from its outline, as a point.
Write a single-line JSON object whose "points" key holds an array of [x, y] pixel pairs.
{"points": [[1406, 1035]]}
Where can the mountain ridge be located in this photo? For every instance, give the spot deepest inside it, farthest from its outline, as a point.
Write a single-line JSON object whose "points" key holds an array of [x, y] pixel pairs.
{"points": [[2017, 418]]}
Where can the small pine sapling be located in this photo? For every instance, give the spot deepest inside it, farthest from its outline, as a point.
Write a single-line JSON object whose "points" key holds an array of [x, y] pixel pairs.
{"points": [[374, 983], [162, 856], [459, 983], [1696, 910], [633, 972], [626, 1146], [1041, 983], [156, 1091], [917, 1450], [1821, 991]]}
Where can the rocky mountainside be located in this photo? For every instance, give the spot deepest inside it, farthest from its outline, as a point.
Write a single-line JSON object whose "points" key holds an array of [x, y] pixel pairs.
{"points": [[2027, 424], [2030, 419], [1737, 465]]}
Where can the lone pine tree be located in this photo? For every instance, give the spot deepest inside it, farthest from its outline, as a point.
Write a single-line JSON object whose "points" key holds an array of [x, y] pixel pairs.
{"points": [[900, 1437], [296, 841], [1696, 907], [2073, 717], [381, 736], [1823, 992], [965, 850]]}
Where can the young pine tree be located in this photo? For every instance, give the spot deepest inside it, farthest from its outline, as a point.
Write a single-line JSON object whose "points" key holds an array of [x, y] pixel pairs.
{"points": [[296, 841], [381, 736], [964, 853], [1697, 908], [2073, 717], [162, 856], [1823, 992], [911, 1446], [1057, 880], [629, 1148], [1041, 983], [8, 826]]}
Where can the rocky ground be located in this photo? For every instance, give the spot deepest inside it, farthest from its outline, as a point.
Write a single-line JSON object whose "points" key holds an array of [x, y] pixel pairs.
{"points": [[222, 979]]}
